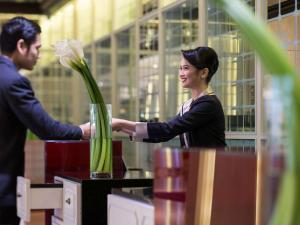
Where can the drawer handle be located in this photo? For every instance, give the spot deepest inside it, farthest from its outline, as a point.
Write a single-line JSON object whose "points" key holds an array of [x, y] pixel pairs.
{"points": [[19, 195], [68, 201]]}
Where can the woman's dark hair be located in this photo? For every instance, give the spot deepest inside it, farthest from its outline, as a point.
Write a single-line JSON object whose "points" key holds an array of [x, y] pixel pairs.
{"points": [[203, 57], [15, 29]]}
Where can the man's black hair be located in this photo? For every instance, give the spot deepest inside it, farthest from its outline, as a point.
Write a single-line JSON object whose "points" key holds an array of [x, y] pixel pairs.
{"points": [[15, 29]]}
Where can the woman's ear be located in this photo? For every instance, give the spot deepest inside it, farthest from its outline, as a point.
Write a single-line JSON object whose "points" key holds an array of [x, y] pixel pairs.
{"points": [[204, 73], [21, 47]]}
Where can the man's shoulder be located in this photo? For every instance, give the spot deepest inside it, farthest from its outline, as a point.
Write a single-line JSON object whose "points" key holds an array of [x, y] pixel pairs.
{"points": [[9, 77], [8, 72]]}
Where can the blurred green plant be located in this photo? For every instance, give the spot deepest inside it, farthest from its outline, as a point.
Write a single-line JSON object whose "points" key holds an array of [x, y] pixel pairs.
{"points": [[31, 136], [276, 62]]}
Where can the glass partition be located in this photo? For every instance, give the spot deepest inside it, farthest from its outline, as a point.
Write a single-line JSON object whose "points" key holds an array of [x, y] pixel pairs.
{"points": [[148, 71], [84, 18], [240, 145], [126, 11], [166, 2], [234, 83], [126, 74], [284, 20], [103, 68], [149, 6], [82, 94], [181, 27], [103, 18]]}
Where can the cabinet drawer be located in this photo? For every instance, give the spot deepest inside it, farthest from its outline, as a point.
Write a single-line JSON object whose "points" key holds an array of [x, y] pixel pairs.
{"points": [[70, 213], [37, 196]]}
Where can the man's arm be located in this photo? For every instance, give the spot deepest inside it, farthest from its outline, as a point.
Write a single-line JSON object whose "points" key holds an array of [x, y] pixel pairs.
{"points": [[30, 112]]}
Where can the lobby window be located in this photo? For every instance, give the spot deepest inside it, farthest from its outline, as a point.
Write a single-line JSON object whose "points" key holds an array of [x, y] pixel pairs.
{"points": [[181, 26], [239, 145], [85, 99], [282, 7], [103, 68], [284, 20], [148, 71], [126, 78], [126, 11], [149, 6], [84, 18], [88, 55], [234, 82]]}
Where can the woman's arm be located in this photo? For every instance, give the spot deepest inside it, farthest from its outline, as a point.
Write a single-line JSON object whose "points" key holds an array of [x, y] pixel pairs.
{"points": [[155, 132], [197, 117]]}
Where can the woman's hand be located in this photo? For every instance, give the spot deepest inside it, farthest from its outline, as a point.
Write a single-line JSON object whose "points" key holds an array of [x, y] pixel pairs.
{"points": [[125, 126], [115, 124]]}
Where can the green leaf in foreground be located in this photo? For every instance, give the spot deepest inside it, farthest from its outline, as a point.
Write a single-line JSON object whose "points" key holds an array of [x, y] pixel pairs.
{"points": [[276, 62]]}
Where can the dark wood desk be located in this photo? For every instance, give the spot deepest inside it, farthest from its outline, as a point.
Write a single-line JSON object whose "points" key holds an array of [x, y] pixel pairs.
{"points": [[94, 192]]}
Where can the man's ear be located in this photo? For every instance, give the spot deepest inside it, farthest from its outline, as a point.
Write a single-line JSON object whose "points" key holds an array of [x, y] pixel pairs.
{"points": [[21, 47]]}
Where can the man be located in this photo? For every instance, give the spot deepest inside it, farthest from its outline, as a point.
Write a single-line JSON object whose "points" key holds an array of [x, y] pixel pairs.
{"points": [[19, 109]]}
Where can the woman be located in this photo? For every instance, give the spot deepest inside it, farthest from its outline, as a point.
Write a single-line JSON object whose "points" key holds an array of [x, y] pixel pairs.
{"points": [[200, 122]]}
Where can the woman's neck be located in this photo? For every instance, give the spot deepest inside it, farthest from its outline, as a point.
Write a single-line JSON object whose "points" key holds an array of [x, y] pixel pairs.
{"points": [[196, 93]]}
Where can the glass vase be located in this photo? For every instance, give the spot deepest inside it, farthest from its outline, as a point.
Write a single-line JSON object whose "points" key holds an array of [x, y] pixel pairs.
{"points": [[100, 141]]}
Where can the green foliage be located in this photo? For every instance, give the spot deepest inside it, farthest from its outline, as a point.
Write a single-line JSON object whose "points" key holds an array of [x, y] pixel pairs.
{"points": [[31, 136], [276, 62]]}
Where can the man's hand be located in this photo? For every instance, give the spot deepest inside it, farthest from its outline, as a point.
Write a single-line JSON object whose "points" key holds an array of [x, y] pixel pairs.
{"points": [[86, 130]]}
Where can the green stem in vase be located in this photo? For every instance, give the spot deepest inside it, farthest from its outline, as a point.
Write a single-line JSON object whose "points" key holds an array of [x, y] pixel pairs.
{"points": [[71, 55]]}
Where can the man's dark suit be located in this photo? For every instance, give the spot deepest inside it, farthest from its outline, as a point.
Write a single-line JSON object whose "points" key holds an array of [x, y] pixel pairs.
{"points": [[19, 110]]}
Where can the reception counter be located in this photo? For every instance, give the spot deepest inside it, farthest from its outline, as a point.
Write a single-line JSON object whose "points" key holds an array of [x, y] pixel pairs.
{"points": [[68, 189], [194, 187], [190, 187]]}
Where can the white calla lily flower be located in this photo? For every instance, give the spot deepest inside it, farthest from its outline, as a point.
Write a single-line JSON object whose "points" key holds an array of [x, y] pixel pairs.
{"points": [[69, 51]]}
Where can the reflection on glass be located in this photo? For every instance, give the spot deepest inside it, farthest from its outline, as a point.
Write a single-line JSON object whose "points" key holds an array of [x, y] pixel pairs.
{"points": [[85, 104], [126, 12], [149, 6], [84, 12], [88, 55], [284, 21], [148, 71], [126, 82], [234, 83], [103, 68], [181, 25], [240, 145], [102, 23], [148, 85], [166, 2], [54, 87]]}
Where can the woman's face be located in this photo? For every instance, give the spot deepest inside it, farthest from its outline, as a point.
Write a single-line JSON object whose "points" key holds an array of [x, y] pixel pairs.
{"points": [[189, 74]]}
